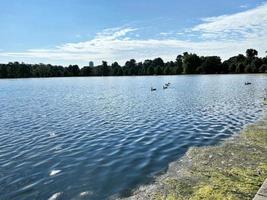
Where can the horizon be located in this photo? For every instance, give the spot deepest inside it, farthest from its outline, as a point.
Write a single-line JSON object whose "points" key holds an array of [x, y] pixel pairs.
{"points": [[141, 61], [76, 32]]}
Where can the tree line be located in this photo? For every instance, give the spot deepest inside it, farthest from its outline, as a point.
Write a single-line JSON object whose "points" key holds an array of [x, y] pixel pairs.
{"points": [[187, 63]]}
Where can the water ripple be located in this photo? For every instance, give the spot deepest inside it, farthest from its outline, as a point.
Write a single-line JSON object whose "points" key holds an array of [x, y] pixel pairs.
{"points": [[96, 138]]}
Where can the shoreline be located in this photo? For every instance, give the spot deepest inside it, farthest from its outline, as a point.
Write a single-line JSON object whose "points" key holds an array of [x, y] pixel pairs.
{"points": [[49, 77], [233, 169]]}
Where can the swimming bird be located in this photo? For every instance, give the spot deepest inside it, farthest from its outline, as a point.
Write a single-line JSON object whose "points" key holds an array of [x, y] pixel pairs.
{"points": [[153, 89], [167, 84]]}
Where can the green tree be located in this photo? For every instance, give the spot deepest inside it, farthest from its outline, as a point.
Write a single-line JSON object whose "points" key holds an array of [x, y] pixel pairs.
{"points": [[150, 70], [3, 71], [158, 62], [190, 63], [263, 68], [86, 71], [211, 65], [240, 68], [131, 67], [167, 70], [73, 70], [158, 70], [232, 68], [251, 53], [248, 69], [116, 69], [179, 61], [104, 69]]}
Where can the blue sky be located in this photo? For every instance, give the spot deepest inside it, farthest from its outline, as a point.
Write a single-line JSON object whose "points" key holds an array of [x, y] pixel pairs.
{"points": [[77, 31]]}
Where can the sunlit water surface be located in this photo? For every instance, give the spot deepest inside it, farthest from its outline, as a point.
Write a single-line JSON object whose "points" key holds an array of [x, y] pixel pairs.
{"points": [[97, 138]]}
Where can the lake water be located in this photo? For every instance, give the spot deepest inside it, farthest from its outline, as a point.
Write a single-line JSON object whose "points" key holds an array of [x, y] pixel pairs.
{"points": [[96, 138]]}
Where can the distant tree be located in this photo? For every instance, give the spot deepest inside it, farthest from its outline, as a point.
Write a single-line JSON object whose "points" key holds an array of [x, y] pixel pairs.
{"points": [[120, 72], [116, 69], [131, 63], [187, 63], [240, 58], [240, 68], [158, 62], [104, 70], [73, 70], [150, 70], [185, 54], [179, 69], [24, 71], [256, 64], [211, 65], [3, 71], [179, 64], [248, 69], [131, 67], [251, 53], [190, 63], [158, 70], [146, 65], [167, 70], [225, 67], [86, 71], [140, 68], [179, 60], [232, 68], [263, 68]]}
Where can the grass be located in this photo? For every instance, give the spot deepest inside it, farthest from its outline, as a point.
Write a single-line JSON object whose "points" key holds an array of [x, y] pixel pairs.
{"points": [[233, 170]]}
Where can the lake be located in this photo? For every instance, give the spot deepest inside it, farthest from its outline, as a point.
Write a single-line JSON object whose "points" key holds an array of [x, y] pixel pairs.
{"points": [[100, 137]]}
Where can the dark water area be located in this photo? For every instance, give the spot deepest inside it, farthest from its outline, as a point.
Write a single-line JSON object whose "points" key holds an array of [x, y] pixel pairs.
{"points": [[97, 138]]}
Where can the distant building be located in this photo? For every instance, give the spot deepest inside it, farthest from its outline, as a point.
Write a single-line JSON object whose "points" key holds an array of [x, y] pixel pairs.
{"points": [[91, 64]]}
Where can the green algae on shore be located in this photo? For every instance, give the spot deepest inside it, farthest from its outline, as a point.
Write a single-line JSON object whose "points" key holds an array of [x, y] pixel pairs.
{"points": [[232, 170]]}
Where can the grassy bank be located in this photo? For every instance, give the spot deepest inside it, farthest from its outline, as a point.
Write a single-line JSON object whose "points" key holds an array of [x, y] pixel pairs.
{"points": [[232, 170]]}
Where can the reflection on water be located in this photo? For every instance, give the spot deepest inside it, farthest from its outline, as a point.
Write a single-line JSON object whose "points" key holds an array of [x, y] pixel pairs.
{"points": [[76, 138]]}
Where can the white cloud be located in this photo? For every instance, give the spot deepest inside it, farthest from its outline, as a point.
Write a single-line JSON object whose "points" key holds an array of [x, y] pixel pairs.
{"points": [[248, 24], [225, 35]]}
